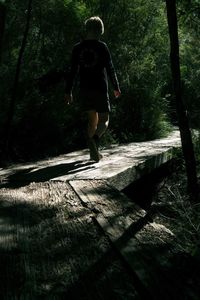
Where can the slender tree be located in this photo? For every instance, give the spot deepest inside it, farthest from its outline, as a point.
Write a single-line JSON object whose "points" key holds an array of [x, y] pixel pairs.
{"points": [[2, 24], [186, 138], [17, 76]]}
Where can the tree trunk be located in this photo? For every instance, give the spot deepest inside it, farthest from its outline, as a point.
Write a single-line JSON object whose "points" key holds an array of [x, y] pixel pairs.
{"points": [[186, 138], [17, 76], [2, 25]]}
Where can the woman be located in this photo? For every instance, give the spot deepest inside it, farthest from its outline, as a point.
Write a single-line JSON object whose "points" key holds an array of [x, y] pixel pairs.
{"points": [[92, 60]]}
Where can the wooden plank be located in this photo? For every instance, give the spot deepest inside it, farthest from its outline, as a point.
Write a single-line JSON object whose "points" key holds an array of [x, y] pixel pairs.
{"points": [[143, 246], [102, 198], [57, 245], [120, 166], [123, 225], [45, 235], [140, 168], [147, 253]]}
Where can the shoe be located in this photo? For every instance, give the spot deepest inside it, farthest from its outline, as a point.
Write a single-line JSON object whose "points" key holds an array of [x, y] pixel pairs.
{"points": [[96, 158], [97, 142], [94, 154]]}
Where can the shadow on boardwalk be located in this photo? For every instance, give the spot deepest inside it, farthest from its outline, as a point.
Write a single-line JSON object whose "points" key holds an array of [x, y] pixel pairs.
{"points": [[41, 174], [51, 248], [48, 241]]}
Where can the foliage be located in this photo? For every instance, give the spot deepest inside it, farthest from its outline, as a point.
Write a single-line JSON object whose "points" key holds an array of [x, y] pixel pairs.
{"points": [[40, 120], [181, 216], [189, 16], [138, 40]]}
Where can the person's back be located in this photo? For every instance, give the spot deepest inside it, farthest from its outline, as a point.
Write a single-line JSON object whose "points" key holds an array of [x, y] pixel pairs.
{"points": [[92, 60]]}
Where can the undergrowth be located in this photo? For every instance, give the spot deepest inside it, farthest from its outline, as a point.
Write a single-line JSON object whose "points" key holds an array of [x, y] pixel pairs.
{"points": [[180, 214]]}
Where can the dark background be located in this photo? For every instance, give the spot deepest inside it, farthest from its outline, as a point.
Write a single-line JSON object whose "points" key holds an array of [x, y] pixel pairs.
{"points": [[137, 35]]}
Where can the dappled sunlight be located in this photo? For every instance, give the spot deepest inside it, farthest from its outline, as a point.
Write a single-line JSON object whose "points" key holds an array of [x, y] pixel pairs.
{"points": [[65, 216], [48, 226], [120, 165], [49, 172]]}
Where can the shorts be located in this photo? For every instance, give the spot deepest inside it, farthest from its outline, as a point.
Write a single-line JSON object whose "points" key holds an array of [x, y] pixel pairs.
{"points": [[94, 100]]}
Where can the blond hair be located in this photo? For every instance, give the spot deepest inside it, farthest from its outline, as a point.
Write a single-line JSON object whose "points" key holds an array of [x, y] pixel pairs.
{"points": [[95, 26]]}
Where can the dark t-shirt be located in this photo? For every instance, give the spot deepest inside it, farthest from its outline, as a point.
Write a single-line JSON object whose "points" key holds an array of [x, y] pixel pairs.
{"points": [[92, 60]]}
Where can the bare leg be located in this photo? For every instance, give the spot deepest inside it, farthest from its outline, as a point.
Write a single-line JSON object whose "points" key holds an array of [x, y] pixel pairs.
{"points": [[92, 126], [103, 120], [92, 122]]}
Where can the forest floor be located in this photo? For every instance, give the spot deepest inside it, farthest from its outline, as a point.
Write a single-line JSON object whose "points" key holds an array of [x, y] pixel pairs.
{"points": [[52, 248], [172, 208]]}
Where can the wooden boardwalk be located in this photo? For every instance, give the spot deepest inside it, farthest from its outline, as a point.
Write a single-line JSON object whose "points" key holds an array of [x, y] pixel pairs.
{"points": [[50, 215], [120, 166]]}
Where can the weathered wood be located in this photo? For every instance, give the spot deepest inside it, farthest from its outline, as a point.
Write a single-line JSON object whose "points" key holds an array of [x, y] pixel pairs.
{"points": [[103, 198], [147, 252], [143, 246], [120, 166], [46, 234], [49, 238]]}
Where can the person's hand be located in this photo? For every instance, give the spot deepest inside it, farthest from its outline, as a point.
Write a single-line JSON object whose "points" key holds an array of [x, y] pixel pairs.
{"points": [[68, 98], [117, 93]]}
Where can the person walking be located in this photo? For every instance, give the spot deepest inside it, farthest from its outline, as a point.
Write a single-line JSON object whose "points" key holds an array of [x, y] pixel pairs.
{"points": [[91, 59]]}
